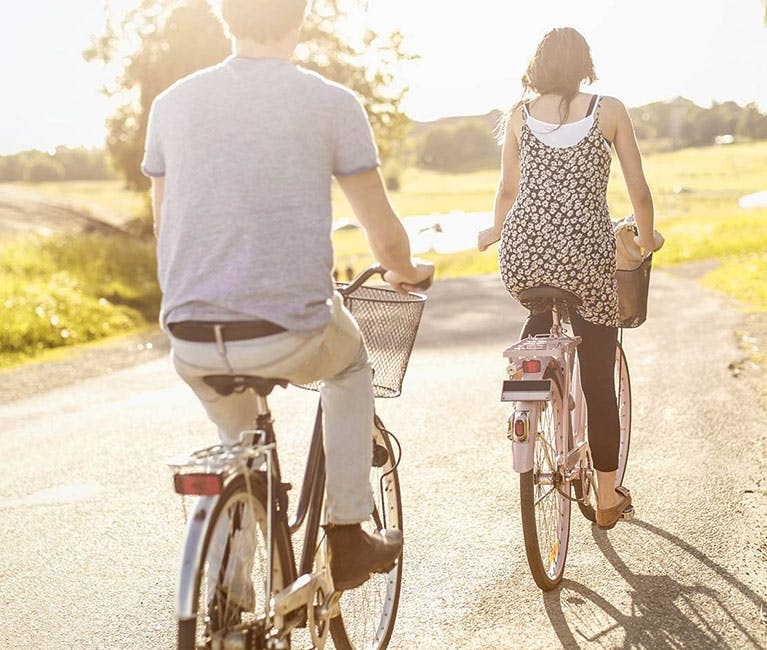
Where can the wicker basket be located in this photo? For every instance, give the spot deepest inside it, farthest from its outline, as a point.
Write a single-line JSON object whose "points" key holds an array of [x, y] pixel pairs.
{"points": [[633, 289], [389, 322]]}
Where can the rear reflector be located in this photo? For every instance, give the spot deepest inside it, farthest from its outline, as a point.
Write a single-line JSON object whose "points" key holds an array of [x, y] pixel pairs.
{"points": [[531, 366], [198, 484]]}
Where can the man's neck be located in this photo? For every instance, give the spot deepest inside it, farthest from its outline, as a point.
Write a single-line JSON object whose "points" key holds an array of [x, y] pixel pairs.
{"points": [[271, 50]]}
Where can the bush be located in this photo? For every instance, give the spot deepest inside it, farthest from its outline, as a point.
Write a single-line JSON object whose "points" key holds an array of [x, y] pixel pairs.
{"points": [[73, 289]]}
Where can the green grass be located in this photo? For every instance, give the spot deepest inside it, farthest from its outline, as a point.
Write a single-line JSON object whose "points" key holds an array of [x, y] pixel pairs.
{"points": [[745, 277], [66, 290], [103, 197], [426, 192]]}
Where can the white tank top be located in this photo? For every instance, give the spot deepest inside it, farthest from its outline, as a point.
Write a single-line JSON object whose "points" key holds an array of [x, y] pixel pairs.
{"points": [[565, 135]]}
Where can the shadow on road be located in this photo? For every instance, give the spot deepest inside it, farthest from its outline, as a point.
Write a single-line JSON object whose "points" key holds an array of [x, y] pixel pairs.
{"points": [[690, 603]]}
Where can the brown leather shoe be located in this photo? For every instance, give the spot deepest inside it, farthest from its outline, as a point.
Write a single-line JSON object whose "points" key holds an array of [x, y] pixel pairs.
{"points": [[608, 517], [355, 554]]}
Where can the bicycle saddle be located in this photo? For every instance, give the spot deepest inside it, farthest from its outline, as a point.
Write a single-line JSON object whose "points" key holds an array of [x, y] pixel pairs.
{"points": [[545, 297], [228, 384]]}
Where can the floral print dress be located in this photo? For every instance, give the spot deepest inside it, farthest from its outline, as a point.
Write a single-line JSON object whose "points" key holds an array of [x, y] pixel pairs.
{"points": [[559, 232]]}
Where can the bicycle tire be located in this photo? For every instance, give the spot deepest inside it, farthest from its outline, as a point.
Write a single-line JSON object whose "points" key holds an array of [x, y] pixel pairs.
{"points": [[536, 522], [623, 393], [368, 613], [192, 633]]}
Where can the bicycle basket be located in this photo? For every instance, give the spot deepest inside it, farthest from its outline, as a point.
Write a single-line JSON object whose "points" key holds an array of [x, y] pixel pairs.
{"points": [[633, 289], [389, 322]]}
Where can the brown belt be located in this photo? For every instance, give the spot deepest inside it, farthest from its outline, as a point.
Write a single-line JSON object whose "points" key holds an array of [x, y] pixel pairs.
{"points": [[205, 331]]}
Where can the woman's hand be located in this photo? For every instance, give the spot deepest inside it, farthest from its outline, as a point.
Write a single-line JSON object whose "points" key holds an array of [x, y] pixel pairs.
{"points": [[487, 238], [650, 245]]}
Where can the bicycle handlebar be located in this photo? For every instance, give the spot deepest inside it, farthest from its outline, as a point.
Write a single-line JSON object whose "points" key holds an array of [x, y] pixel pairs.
{"points": [[376, 269], [629, 222]]}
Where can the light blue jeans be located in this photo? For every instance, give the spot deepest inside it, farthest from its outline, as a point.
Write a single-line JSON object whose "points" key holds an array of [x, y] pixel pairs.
{"points": [[334, 355]]}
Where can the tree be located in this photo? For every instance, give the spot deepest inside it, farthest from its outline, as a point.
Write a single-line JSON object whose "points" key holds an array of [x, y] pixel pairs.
{"points": [[169, 39]]}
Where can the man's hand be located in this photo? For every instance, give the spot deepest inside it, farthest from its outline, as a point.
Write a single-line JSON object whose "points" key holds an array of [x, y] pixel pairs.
{"points": [[487, 238], [423, 274]]}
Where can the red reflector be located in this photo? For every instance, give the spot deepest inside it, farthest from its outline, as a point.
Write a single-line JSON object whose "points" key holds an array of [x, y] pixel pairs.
{"points": [[199, 484], [531, 366], [519, 428]]}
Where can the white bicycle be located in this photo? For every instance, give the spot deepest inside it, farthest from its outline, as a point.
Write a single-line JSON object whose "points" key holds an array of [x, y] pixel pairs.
{"points": [[548, 430]]}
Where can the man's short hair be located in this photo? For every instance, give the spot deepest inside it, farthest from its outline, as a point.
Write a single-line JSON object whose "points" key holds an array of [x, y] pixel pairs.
{"points": [[262, 20]]}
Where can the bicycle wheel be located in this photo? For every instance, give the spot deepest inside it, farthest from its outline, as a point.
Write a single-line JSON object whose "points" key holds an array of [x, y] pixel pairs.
{"points": [[234, 559], [544, 494], [367, 614], [587, 500]]}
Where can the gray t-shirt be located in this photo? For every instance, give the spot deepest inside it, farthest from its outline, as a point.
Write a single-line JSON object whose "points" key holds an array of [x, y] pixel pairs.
{"points": [[248, 149]]}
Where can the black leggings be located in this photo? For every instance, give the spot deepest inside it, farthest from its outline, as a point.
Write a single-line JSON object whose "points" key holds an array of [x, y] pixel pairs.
{"points": [[596, 355]]}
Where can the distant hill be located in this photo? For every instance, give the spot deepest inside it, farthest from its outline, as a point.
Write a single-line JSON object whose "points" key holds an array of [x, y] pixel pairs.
{"points": [[458, 143], [488, 119]]}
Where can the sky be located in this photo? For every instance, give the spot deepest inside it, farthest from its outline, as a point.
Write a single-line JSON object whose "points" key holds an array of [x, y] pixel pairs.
{"points": [[472, 55]]}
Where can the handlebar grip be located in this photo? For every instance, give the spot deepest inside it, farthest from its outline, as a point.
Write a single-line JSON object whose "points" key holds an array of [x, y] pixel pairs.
{"points": [[363, 277], [423, 285]]}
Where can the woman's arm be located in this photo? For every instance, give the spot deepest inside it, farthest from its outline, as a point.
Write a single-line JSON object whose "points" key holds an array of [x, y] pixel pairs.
{"points": [[508, 184], [630, 159]]}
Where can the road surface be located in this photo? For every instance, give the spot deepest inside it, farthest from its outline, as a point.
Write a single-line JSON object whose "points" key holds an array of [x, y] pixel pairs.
{"points": [[90, 527]]}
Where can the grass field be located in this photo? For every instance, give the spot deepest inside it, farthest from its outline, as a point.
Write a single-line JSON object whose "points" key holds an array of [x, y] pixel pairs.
{"points": [[60, 291], [103, 197], [696, 194]]}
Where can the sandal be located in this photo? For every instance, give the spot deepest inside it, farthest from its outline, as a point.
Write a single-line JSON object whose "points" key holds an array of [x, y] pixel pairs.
{"points": [[608, 517]]}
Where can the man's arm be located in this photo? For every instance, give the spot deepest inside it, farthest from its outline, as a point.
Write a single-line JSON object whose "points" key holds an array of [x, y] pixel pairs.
{"points": [[388, 239], [158, 191]]}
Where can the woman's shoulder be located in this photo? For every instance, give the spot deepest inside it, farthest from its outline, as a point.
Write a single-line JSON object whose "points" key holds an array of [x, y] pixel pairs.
{"points": [[611, 105], [511, 121]]}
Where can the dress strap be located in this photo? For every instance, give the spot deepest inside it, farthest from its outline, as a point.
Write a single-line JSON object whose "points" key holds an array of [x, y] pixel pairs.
{"points": [[596, 102], [592, 104]]}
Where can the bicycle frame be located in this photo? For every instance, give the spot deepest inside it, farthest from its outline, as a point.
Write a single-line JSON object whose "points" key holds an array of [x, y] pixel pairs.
{"points": [[301, 584], [529, 391]]}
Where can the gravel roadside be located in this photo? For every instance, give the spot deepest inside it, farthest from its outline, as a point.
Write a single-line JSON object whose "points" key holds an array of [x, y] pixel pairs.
{"points": [[80, 363]]}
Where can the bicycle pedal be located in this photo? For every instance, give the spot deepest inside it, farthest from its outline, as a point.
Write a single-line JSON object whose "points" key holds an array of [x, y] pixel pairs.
{"points": [[628, 513]]}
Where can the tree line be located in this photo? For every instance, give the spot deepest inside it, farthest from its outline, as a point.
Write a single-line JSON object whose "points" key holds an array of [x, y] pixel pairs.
{"points": [[64, 164], [456, 144]]}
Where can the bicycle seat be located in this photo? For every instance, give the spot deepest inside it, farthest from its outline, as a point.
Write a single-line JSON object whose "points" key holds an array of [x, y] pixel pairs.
{"points": [[228, 384], [545, 297]]}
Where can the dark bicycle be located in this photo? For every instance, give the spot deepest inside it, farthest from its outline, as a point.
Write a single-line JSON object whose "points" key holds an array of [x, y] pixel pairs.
{"points": [[241, 515]]}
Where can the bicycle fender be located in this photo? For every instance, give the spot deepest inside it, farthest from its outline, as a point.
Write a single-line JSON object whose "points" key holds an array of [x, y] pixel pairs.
{"points": [[523, 447], [196, 531]]}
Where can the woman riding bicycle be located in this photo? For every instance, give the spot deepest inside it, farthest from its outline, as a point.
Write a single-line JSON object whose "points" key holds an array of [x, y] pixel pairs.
{"points": [[552, 219]]}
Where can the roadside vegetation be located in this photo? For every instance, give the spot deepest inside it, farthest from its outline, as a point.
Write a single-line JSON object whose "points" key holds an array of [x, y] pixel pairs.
{"points": [[64, 290], [67, 290]]}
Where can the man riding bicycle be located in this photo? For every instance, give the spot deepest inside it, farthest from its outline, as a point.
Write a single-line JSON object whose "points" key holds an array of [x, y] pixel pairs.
{"points": [[241, 157]]}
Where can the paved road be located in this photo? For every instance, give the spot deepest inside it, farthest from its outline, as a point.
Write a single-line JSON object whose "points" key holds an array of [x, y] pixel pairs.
{"points": [[90, 528]]}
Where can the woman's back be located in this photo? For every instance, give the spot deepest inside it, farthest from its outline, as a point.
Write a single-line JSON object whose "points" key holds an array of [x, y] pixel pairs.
{"points": [[558, 231]]}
